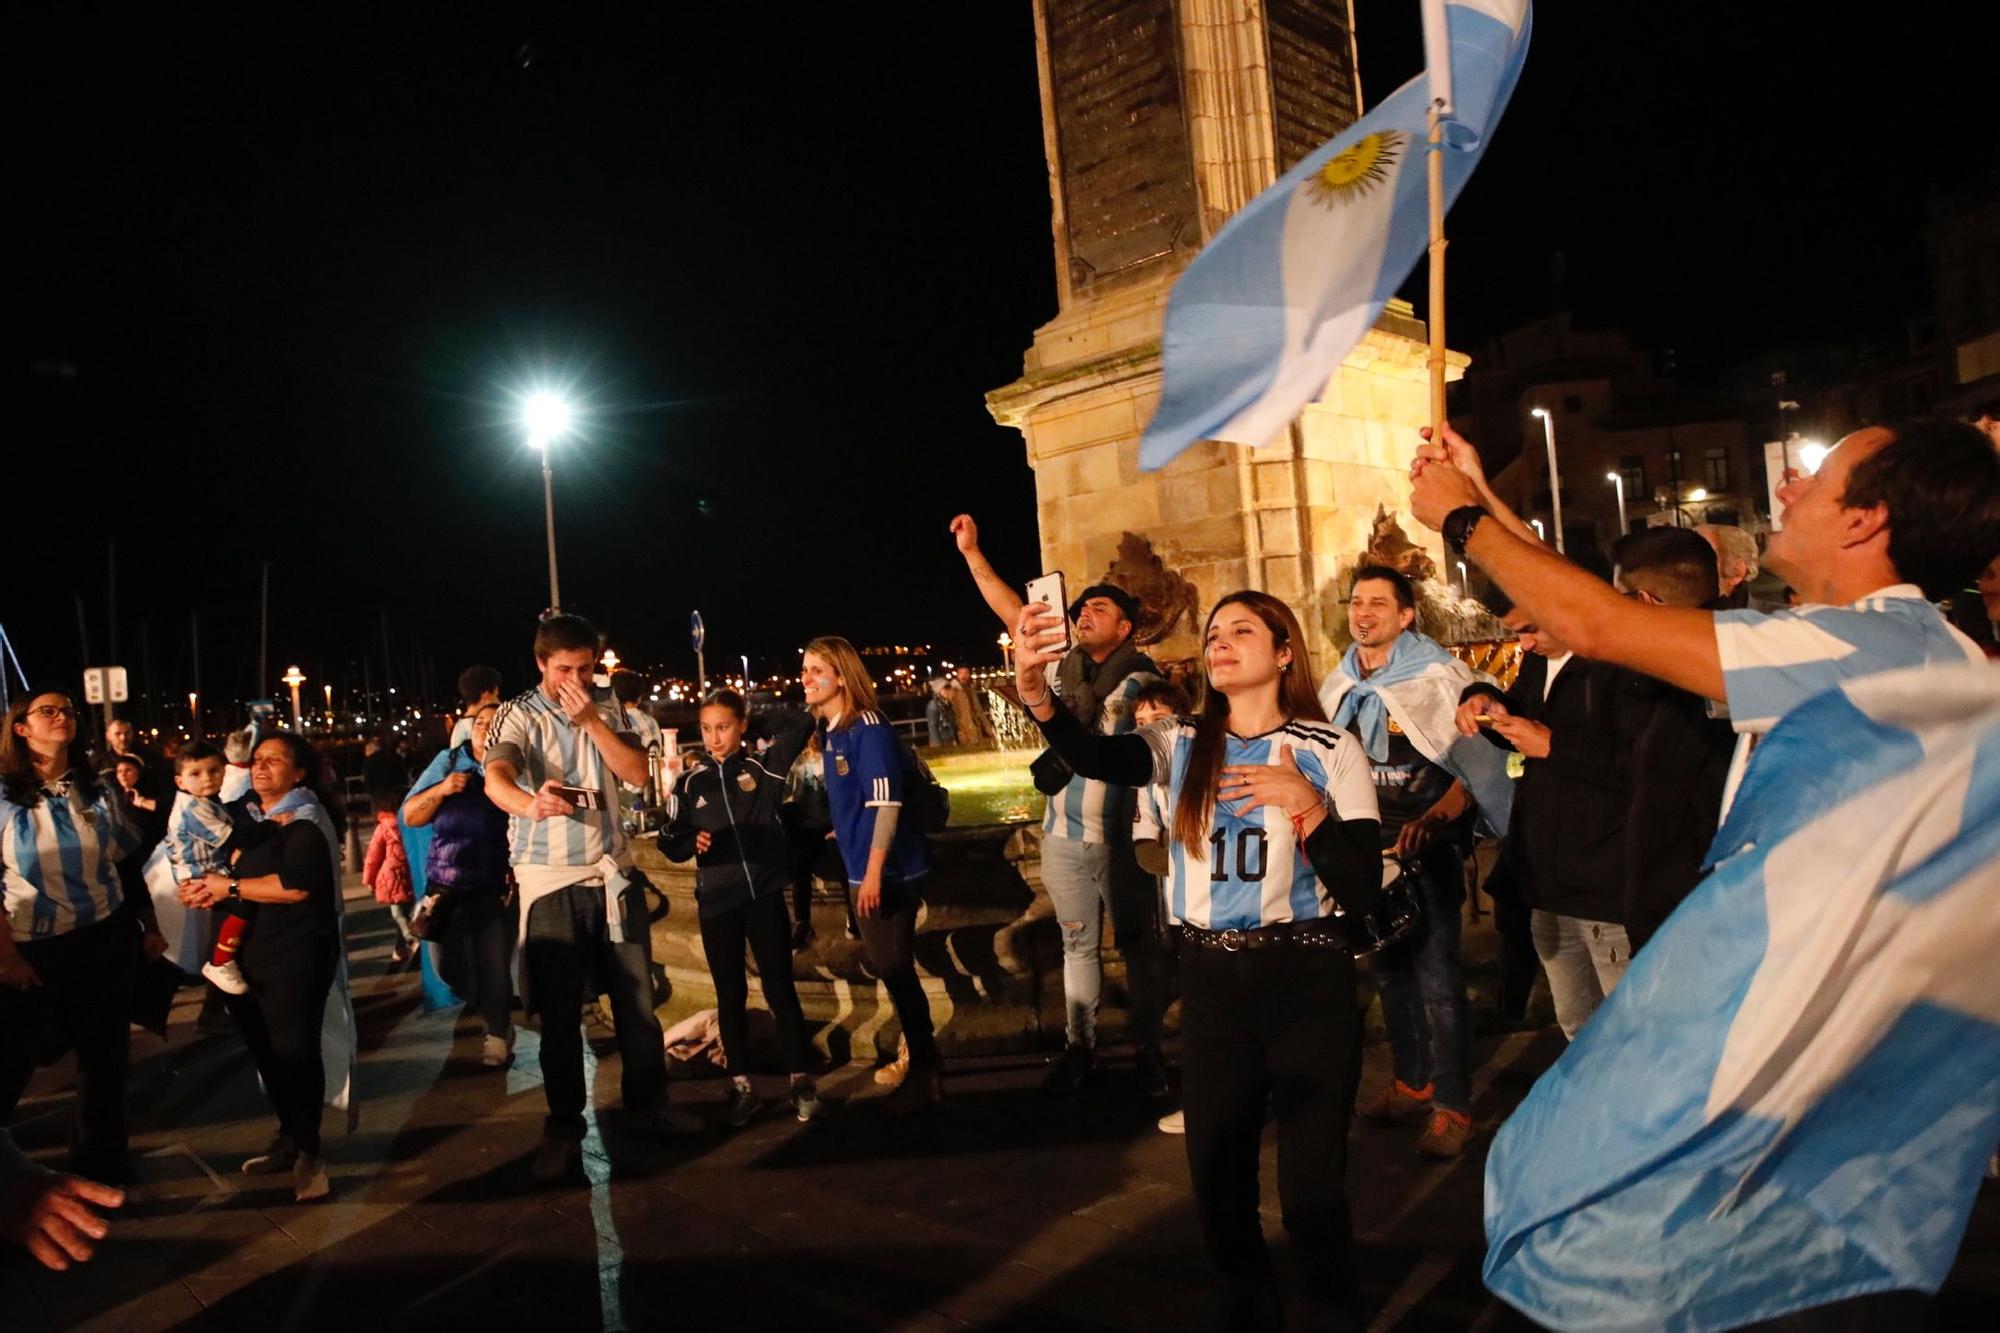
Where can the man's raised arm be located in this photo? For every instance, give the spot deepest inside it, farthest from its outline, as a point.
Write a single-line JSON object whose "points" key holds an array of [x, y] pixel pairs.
{"points": [[1674, 644], [999, 594]]}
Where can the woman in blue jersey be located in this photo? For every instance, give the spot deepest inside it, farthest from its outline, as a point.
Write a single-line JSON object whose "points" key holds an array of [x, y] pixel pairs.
{"points": [[885, 855], [70, 943], [1271, 820]]}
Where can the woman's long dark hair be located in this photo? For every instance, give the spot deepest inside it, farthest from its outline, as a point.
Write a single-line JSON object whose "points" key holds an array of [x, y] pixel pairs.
{"points": [[18, 779], [1194, 803]]}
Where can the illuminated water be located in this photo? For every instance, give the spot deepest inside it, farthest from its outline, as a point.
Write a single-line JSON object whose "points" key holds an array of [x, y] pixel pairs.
{"points": [[988, 787]]}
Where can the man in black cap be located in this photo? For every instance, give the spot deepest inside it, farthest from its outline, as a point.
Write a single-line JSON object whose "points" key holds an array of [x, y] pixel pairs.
{"points": [[1087, 861]]}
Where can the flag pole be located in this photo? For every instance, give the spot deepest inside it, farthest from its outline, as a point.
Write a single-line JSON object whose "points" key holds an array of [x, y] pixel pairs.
{"points": [[1434, 163]]}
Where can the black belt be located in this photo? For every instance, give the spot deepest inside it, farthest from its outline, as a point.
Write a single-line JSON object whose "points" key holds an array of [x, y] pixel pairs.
{"points": [[1289, 934]]}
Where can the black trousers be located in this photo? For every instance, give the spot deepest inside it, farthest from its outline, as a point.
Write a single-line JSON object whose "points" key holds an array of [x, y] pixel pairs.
{"points": [[83, 1004], [1276, 1025], [759, 923], [479, 953], [1519, 964], [280, 1018], [813, 853], [889, 938], [567, 942]]}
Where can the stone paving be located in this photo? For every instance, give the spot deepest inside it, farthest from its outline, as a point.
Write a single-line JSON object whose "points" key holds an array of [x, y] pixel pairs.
{"points": [[1004, 1210]]}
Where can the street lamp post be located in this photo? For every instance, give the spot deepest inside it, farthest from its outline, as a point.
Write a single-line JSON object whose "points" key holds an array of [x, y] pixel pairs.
{"points": [[295, 678], [1006, 642], [547, 418], [1618, 479], [1555, 475], [1540, 531], [329, 707], [1464, 588]]}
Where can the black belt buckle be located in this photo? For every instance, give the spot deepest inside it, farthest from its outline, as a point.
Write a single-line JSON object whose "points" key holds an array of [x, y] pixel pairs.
{"points": [[1231, 940]]}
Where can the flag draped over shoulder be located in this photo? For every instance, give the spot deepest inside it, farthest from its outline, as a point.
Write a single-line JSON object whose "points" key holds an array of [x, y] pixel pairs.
{"points": [[1265, 313], [338, 1040], [1790, 1097], [1418, 687]]}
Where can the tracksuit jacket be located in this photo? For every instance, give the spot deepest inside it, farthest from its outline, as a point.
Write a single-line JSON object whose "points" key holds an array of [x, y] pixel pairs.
{"points": [[737, 802]]}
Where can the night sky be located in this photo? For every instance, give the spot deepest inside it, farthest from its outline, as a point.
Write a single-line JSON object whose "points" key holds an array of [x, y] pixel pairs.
{"points": [[282, 283]]}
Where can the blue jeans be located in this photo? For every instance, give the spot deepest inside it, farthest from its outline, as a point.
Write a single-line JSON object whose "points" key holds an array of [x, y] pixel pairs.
{"points": [[1084, 880], [1422, 983]]}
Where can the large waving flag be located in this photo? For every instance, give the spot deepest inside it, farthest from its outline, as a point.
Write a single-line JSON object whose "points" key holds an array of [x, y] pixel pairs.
{"points": [[1265, 313], [1792, 1094]]}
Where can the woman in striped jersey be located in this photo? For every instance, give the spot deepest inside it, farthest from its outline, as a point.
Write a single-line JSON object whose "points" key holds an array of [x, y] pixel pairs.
{"points": [[1272, 820]]}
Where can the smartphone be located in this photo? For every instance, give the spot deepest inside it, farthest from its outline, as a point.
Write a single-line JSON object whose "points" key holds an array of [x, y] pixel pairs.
{"points": [[583, 798], [1049, 588]]}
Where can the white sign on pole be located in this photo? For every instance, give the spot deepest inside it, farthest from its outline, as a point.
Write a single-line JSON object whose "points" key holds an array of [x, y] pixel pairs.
{"points": [[93, 685], [115, 679]]}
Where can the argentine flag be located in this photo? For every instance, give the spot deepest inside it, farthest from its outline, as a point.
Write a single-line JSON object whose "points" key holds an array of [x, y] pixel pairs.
{"points": [[1266, 312], [1791, 1096]]}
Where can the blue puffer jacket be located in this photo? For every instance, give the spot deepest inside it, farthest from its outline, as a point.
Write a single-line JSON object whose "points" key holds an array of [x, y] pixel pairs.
{"points": [[468, 833]]}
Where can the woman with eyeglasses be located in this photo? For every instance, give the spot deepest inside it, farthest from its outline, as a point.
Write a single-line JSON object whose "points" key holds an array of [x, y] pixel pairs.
{"points": [[289, 867], [71, 944]]}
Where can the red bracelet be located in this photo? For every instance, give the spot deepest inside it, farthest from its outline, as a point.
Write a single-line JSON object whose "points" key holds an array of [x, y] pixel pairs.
{"points": [[1299, 825]]}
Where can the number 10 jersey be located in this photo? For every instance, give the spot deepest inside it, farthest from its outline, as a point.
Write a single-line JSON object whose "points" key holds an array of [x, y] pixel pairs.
{"points": [[1250, 872]]}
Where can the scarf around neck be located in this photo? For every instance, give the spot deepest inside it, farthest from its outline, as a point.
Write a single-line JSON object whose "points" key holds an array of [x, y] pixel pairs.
{"points": [[1084, 685], [1410, 656]]}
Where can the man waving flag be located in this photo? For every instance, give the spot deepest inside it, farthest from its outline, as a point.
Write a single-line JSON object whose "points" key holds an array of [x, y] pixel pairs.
{"points": [[1791, 1096], [1265, 313]]}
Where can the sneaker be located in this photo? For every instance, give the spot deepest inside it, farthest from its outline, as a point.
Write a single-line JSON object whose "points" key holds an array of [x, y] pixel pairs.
{"points": [[744, 1105], [920, 1091], [228, 977], [669, 1122], [1153, 1072], [806, 1104], [278, 1156], [891, 1074], [1068, 1074], [553, 1160], [1397, 1104], [1446, 1134], [1175, 1123], [803, 936], [309, 1180], [496, 1052]]}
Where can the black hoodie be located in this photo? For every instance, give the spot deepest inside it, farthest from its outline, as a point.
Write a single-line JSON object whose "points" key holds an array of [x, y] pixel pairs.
{"points": [[736, 802]]}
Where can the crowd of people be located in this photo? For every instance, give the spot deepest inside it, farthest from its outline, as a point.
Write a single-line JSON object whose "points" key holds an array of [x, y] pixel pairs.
{"points": [[1266, 835]]}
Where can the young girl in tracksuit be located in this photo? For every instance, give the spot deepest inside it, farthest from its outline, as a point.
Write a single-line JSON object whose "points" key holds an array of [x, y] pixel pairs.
{"points": [[725, 816]]}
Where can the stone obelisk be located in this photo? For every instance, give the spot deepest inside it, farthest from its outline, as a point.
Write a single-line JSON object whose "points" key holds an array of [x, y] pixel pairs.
{"points": [[1162, 118]]}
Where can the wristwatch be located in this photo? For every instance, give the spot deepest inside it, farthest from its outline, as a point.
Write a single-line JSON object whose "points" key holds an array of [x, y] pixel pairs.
{"points": [[235, 887], [1458, 526]]}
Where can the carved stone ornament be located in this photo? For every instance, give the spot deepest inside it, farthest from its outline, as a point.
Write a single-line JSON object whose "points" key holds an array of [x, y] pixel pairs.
{"points": [[1165, 598], [1389, 545]]}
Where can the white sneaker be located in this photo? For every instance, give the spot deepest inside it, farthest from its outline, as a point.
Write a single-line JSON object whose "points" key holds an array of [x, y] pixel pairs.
{"points": [[228, 977], [496, 1052], [1174, 1124]]}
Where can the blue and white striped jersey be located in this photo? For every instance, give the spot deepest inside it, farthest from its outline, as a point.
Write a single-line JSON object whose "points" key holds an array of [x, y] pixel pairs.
{"points": [[1090, 811], [58, 860], [1772, 663], [196, 830], [532, 733], [1251, 873]]}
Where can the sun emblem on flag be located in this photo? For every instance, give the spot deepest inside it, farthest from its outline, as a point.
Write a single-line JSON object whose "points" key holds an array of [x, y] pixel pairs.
{"points": [[1357, 169]]}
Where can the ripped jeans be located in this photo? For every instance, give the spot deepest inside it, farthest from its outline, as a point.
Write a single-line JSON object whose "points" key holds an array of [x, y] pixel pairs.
{"points": [[1084, 880]]}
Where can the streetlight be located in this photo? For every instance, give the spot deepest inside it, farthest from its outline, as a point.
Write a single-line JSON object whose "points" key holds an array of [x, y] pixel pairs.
{"points": [[1811, 454], [1618, 479], [329, 707], [1464, 589], [295, 678], [1006, 642], [547, 417], [194, 713], [1555, 476], [1540, 531]]}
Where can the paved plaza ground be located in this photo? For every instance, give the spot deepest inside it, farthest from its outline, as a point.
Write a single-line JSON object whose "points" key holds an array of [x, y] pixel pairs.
{"points": [[1004, 1210]]}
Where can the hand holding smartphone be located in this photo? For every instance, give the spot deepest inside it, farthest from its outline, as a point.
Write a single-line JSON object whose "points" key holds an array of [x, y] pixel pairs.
{"points": [[583, 798], [1049, 588]]}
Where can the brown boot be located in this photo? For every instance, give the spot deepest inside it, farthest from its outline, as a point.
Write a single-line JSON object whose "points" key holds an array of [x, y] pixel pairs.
{"points": [[920, 1091], [1397, 1104], [1446, 1134], [892, 1074]]}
